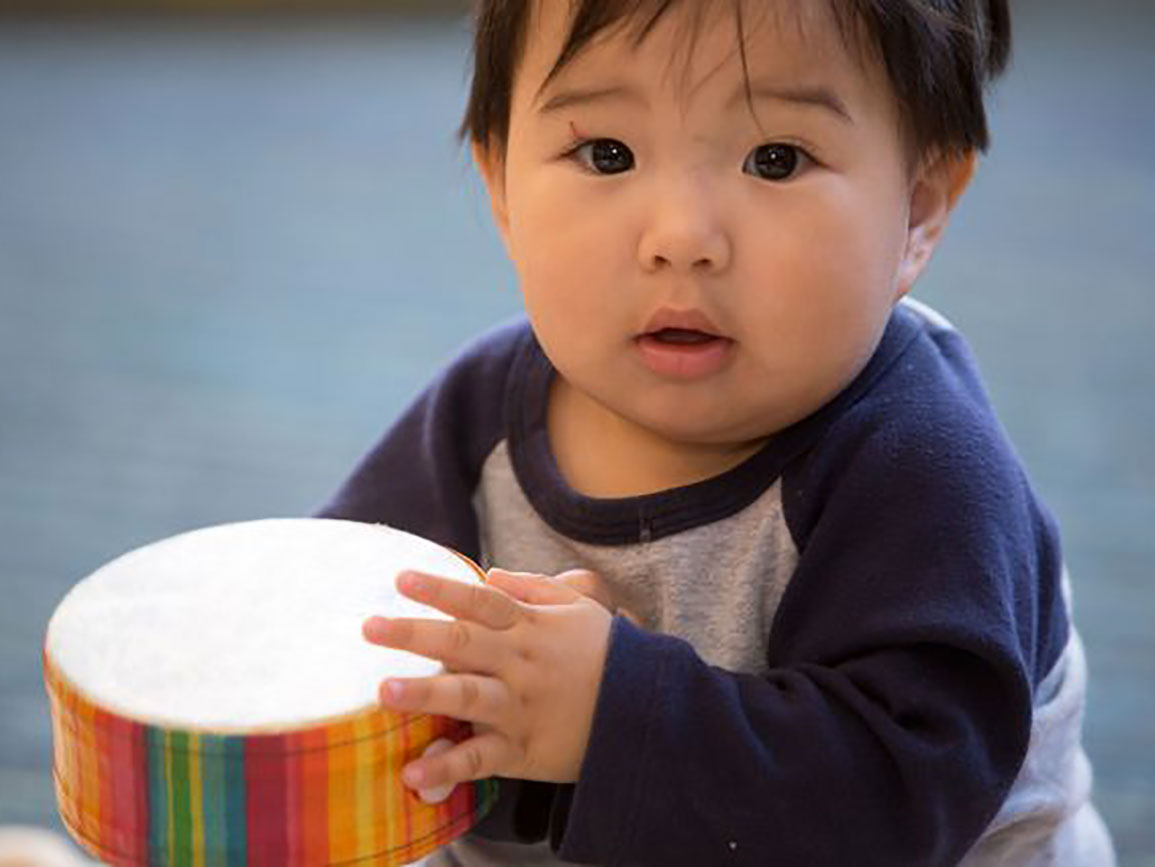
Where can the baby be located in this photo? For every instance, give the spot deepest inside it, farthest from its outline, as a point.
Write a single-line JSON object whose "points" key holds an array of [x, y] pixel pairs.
{"points": [[773, 586]]}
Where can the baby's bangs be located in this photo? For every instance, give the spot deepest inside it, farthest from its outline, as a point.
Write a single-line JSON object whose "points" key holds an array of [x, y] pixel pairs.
{"points": [[637, 18]]}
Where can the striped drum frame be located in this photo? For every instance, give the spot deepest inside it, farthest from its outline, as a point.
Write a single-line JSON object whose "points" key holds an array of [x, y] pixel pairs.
{"points": [[135, 794]]}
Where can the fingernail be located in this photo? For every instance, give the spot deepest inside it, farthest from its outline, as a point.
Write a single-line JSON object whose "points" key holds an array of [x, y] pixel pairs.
{"points": [[373, 628], [408, 581], [395, 690], [412, 776]]}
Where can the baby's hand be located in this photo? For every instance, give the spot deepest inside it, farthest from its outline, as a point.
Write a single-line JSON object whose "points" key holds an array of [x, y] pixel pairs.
{"points": [[524, 662]]}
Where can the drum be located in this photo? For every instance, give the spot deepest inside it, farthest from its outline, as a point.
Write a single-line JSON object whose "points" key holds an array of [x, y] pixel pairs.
{"points": [[214, 702]]}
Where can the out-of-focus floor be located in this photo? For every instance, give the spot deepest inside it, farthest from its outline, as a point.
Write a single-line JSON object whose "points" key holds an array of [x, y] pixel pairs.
{"points": [[229, 252]]}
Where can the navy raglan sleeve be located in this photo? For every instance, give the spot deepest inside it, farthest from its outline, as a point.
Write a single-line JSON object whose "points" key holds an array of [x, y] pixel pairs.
{"points": [[421, 476], [902, 661]]}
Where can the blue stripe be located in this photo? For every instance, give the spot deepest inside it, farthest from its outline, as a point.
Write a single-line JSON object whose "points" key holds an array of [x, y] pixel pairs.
{"points": [[213, 761], [234, 760], [157, 798]]}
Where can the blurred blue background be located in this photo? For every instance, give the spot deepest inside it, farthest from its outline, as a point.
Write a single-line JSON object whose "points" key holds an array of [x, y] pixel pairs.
{"points": [[231, 248]]}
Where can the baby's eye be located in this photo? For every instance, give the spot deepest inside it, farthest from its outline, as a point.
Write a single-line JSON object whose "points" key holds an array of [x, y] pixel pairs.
{"points": [[776, 161], [603, 156]]}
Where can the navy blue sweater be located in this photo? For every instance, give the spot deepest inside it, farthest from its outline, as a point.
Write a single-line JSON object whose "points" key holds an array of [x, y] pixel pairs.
{"points": [[902, 631]]}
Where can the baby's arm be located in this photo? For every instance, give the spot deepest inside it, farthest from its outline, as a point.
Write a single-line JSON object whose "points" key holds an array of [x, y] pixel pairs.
{"points": [[897, 757]]}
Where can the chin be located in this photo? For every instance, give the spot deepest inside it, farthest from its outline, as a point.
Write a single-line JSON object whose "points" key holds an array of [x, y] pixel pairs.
{"points": [[698, 426]]}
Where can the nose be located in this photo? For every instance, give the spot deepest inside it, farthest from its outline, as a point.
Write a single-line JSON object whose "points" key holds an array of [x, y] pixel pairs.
{"points": [[684, 231]]}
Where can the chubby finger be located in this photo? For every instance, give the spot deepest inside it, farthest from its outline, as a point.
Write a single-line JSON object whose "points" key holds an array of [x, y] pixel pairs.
{"points": [[468, 697], [483, 755], [474, 602], [460, 645], [531, 588]]}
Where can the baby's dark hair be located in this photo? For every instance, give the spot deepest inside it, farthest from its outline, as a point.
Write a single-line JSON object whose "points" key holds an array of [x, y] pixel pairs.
{"points": [[939, 56]]}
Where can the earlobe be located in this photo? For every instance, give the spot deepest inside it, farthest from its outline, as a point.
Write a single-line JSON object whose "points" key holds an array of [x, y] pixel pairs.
{"points": [[934, 194], [491, 167]]}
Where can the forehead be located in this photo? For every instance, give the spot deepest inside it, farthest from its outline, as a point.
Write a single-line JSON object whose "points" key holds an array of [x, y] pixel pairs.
{"points": [[682, 46]]}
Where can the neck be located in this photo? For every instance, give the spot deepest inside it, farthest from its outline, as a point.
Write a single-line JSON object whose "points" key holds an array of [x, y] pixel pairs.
{"points": [[601, 454]]}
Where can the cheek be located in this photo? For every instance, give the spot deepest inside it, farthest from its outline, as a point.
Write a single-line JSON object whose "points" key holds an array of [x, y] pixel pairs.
{"points": [[568, 252], [851, 248], [829, 282]]}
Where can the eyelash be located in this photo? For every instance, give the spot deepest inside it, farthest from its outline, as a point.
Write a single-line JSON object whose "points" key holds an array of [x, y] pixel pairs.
{"points": [[807, 161]]}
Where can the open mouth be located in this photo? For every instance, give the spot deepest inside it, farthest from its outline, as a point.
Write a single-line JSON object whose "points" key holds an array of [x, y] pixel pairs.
{"points": [[682, 337], [684, 353]]}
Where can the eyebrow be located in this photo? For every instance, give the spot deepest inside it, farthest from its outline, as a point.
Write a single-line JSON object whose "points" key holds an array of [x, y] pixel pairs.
{"points": [[808, 96]]}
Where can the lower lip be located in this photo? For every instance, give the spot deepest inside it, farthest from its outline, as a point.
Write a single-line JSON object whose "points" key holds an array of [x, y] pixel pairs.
{"points": [[685, 360]]}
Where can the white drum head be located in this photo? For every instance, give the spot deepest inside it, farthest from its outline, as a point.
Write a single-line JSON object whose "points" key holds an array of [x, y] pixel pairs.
{"points": [[245, 627]]}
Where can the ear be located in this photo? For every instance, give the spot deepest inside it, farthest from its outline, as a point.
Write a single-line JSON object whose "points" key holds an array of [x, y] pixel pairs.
{"points": [[937, 187], [490, 163]]}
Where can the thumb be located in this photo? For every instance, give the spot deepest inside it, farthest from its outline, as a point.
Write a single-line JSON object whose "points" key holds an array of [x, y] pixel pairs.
{"points": [[588, 583], [531, 588]]}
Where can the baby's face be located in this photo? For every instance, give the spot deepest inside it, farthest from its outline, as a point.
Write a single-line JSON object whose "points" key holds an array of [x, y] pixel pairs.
{"points": [[708, 280]]}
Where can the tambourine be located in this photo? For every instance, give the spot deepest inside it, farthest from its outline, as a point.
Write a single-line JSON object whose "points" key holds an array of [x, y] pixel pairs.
{"points": [[214, 703]]}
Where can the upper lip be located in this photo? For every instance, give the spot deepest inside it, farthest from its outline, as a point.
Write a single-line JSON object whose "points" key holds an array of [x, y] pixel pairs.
{"points": [[683, 320]]}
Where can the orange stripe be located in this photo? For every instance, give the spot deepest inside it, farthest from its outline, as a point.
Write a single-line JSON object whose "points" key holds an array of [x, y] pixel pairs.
{"points": [[59, 734], [89, 771], [66, 760], [342, 834], [380, 724], [362, 788], [390, 782]]}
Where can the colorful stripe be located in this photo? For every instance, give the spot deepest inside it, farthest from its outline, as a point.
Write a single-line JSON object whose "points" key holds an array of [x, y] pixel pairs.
{"points": [[133, 794]]}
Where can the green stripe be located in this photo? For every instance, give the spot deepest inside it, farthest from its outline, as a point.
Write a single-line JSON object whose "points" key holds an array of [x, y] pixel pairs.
{"points": [[213, 781], [235, 800], [178, 744], [157, 798]]}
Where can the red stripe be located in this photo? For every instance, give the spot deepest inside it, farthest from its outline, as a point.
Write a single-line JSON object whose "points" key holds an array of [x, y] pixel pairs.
{"points": [[295, 854], [266, 809], [138, 846], [117, 817]]}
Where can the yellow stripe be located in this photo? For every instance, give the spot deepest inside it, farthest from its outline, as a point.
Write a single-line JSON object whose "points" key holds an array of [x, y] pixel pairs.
{"points": [[380, 780], [73, 752], [59, 740], [422, 816], [168, 788], [63, 745], [389, 780], [341, 836], [89, 771], [196, 799]]}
